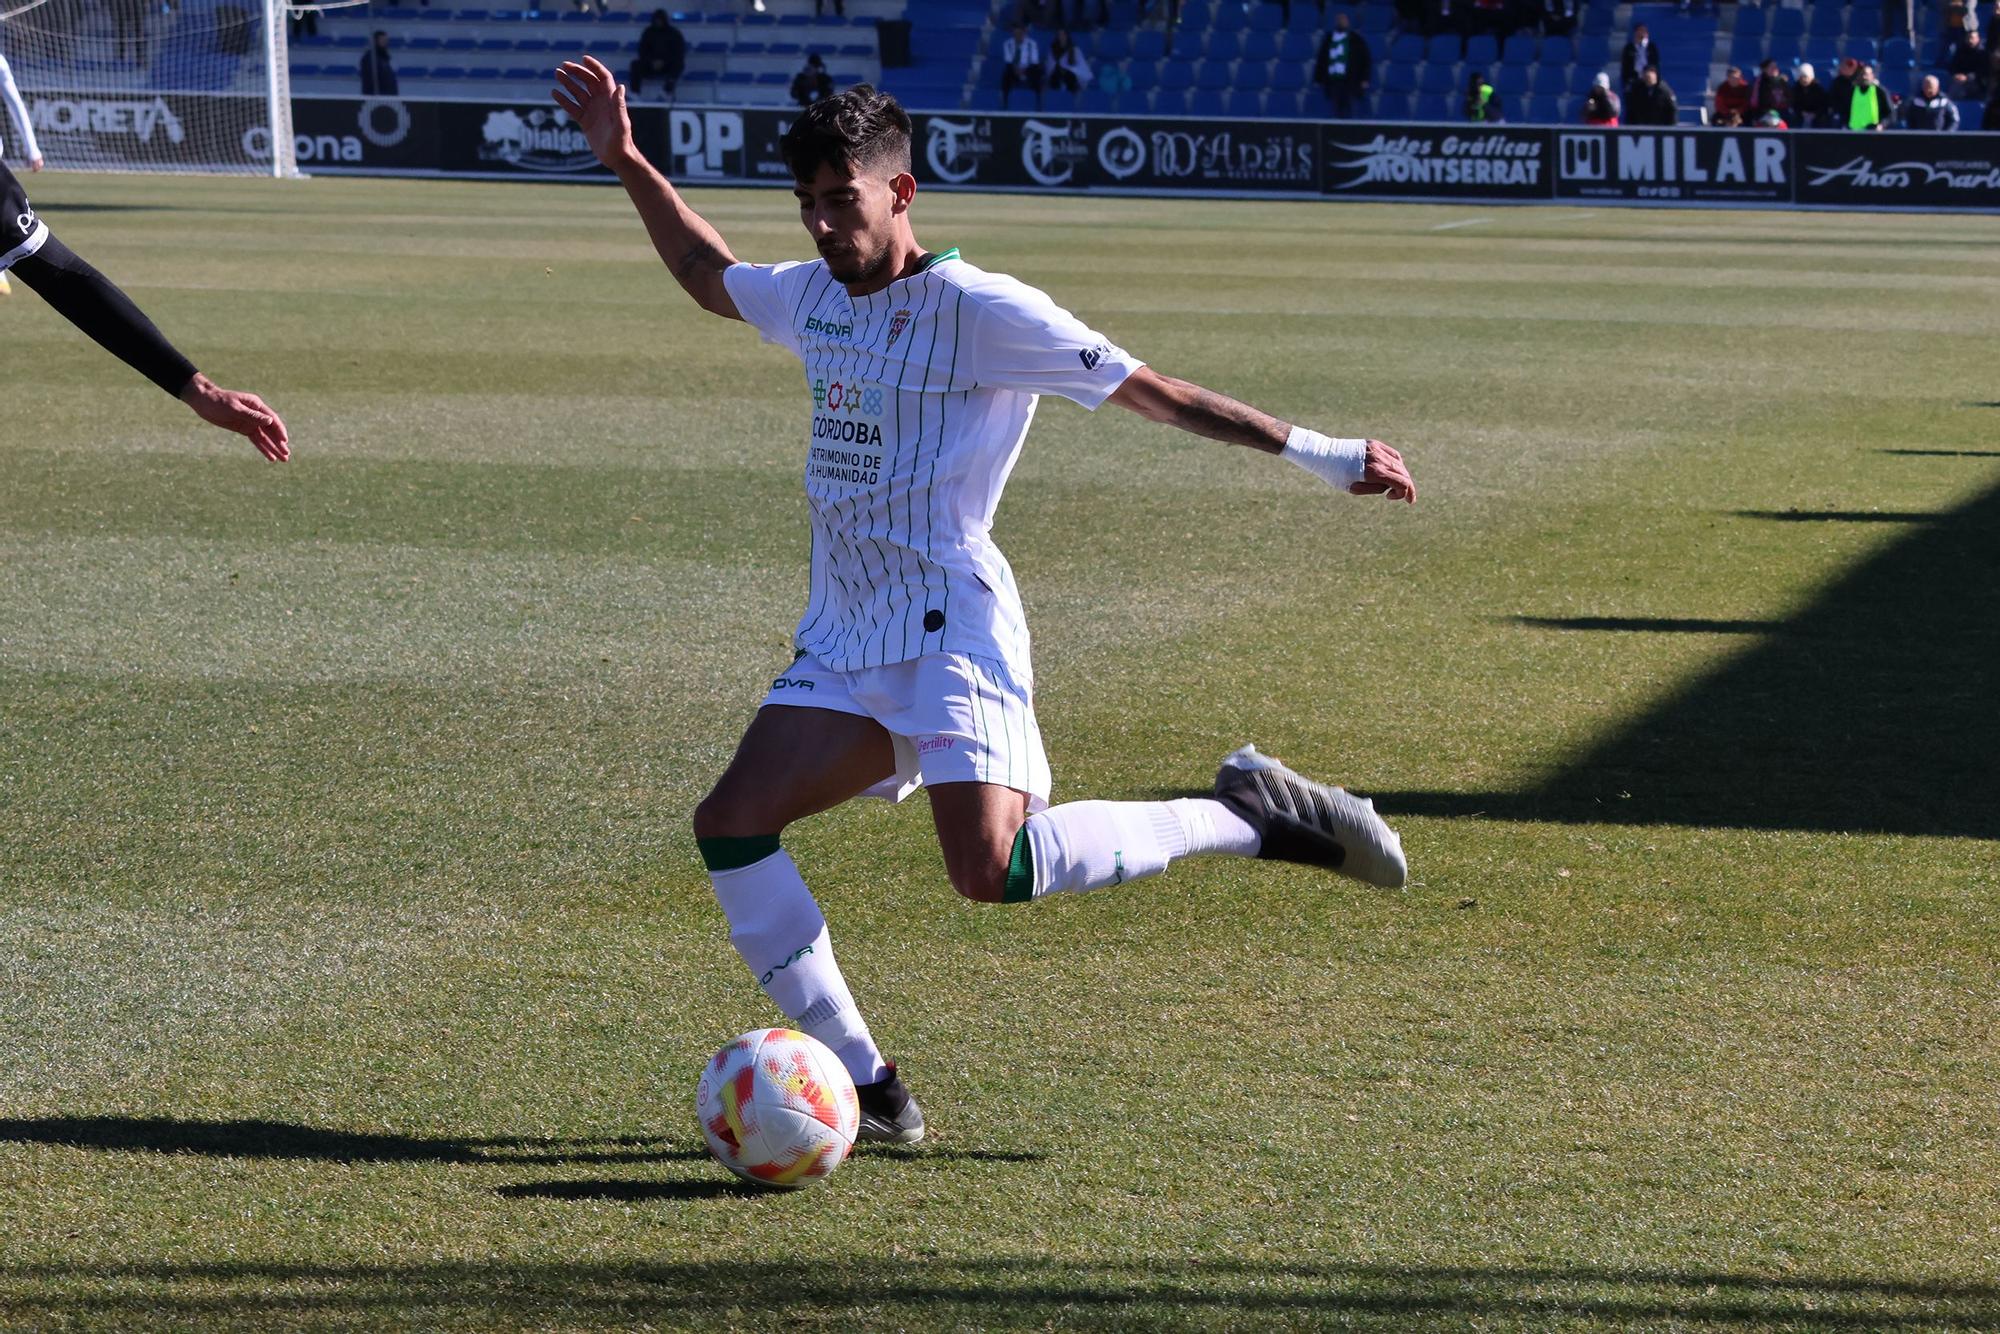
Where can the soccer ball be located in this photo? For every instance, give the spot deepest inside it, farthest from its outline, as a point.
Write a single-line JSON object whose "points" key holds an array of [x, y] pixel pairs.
{"points": [[778, 1108]]}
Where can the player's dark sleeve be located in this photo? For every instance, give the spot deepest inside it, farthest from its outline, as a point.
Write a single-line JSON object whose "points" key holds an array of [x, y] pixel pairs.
{"points": [[93, 303]]}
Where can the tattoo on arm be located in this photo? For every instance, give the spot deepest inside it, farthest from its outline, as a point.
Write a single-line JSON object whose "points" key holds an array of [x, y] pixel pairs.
{"points": [[700, 255], [1219, 417]]}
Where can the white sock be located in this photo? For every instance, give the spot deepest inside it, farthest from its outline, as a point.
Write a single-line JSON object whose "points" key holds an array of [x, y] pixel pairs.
{"points": [[1084, 845], [776, 925]]}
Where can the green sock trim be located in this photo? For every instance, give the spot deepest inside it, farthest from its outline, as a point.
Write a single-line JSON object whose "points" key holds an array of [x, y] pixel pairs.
{"points": [[1020, 872], [731, 854]]}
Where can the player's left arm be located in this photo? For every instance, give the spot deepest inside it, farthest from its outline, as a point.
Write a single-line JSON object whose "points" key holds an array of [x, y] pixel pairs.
{"points": [[1363, 467]]}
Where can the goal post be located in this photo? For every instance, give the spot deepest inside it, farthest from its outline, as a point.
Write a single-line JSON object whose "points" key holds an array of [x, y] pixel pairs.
{"points": [[152, 85]]}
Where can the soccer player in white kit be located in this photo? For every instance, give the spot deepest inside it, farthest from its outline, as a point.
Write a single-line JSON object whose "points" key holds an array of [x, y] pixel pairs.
{"points": [[912, 654]]}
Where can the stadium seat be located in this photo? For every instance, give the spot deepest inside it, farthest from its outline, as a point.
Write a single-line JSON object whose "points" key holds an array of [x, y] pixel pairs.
{"points": [[1784, 50], [1558, 50], [1897, 53], [1444, 48], [1212, 76], [1392, 106], [1208, 103], [1253, 75], [1824, 22], [1243, 102], [1187, 43], [1266, 17], [1747, 52], [1287, 78], [1545, 110], [1114, 44], [1481, 49], [1594, 50], [1511, 80], [1597, 21], [1407, 49], [1171, 102], [1751, 21], [1399, 79], [448, 72], [1824, 52], [1438, 79], [1519, 49], [1149, 44], [1197, 15], [1224, 46], [1298, 46], [1308, 20], [1097, 102], [1788, 23], [1264, 46], [1551, 80], [1293, 106], [1145, 75], [1861, 48], [1437, 106], [422, 43], [1231, 18]]}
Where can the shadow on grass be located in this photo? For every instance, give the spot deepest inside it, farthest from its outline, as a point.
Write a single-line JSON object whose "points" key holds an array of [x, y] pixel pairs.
{"points": [[1650, 624], [930, 1293], [281, 1139], [1876, 708], [631, 1192], [1841, 516], [1948, 453]]}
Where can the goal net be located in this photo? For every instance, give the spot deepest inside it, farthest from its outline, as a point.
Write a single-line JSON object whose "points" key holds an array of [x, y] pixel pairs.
{"points": [[150, 85]]}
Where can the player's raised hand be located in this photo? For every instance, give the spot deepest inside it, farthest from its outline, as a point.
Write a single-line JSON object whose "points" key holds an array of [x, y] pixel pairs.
{"points": [[245, 414], [595, 100], [1384, 473]]}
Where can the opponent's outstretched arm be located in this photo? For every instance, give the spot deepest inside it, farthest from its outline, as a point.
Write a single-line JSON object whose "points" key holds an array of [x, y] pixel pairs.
{"points": [[1364, 467], [692, 249]]}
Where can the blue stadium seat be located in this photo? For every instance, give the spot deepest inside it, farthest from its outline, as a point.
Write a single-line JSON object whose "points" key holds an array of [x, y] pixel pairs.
{"points": [[1208, 102], [1097, 102], [1224, 46], [786, 49], [1897, 53], [1481, 49], [1511, 80], [1746, 51], [1558, 50], [1294, 105], [1114, 44], [1824, 52], [448, 72], [1149, 44], [1784, 50], [1594, 51], [1231, 18], [1145, 75], [1298, 46], [1862, 48], [459, 44], [1824, 22], [496, 44], [1545, 110], [1751, 21], [1788, 23], [1307, 19], [414, 71], [1187, 43], [1266, 17], [1254, 75], [858, 50], [1392, 106], [1407, 49], [1399, 79], [1171, 102], [1597, 21], [1287, 78], [422, 43], [1520, 49], [484, 73], [519, 73], [1551, 80], [1243, 102], [794, 20], [1197, 14], [1438, 79], [1437, 106], [1445, 47], [1259, 46], [1212, 76]]}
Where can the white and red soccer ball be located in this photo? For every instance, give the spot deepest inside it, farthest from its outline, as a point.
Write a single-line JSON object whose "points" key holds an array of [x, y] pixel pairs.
{"points": [[778, 1108]]}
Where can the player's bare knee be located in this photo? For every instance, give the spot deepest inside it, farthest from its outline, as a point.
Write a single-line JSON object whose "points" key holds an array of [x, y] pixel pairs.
{"points": [[721, 815], [982, 879]]}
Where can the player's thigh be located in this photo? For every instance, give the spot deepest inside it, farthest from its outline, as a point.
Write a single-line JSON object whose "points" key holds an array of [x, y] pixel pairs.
{"points": [[976, 825], [794, 762]]}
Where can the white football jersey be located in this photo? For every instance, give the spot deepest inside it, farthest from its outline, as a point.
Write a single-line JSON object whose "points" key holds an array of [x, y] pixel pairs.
{"points": [[921, 396]]}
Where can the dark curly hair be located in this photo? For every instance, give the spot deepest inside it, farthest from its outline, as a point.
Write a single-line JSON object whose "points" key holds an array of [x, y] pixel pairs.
{"points": [[857, 130]]}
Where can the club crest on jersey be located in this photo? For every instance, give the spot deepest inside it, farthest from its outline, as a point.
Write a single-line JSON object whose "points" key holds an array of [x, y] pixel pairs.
{"points": [[897, 323]]}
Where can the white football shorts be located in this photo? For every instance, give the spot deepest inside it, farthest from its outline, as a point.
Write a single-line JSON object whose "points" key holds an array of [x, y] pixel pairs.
{"points": [[954, 718]]}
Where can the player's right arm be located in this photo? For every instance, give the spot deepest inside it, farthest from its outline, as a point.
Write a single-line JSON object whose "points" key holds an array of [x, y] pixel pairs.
{"points": [[693, 250]]}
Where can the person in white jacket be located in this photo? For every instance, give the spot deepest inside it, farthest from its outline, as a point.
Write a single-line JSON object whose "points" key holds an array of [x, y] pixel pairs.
{"points": [[1068, 70]]}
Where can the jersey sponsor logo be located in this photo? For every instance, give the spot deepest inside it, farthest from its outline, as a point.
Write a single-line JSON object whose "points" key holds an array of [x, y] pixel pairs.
{"points": [[827, 329], [897, 323], [840, 396], [1093, 357], [537, 141], [935, 743], [854, 467], [54, 115]]}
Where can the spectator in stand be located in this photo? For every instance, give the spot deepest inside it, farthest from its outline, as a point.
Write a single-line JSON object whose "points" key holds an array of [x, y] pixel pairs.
{"points": [[1960, 18], [1089, 13], [1344, 67], [1640, 55], [662, 55], [1838, 94], [1479, 105], [1868, 104], [1494, 16], [1772, 120], [812, 83], [1113, 82], [1773, 92], [1732, 99], [1558, 17], [1930, 109], [1444, 16], [1809, 105], [378, 76], [1068, 70], [1991, 120], [839, 9], [1600, 104], [1651, 101], [1020, 63], [1971, 69]]}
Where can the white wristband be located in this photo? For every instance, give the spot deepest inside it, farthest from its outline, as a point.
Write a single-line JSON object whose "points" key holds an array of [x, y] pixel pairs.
{"points": [[1338, 463]]}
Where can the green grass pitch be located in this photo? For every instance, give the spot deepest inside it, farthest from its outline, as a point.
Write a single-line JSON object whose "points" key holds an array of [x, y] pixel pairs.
{"points": [[356, 965]]}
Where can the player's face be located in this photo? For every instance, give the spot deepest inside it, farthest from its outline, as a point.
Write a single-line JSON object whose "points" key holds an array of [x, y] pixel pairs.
{"points": [[851, 217]]}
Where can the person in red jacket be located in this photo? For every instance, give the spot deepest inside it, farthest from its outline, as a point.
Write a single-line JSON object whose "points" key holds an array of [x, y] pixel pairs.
{"points": [[1732, 99]]}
